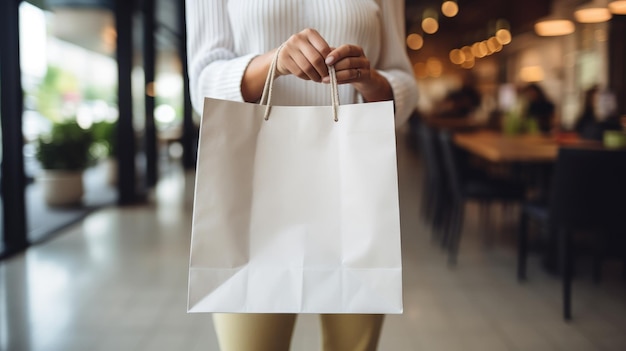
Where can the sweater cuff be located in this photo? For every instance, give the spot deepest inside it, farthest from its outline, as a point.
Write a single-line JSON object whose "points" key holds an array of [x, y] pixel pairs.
{"points": [[222, 79], [402, 95]]}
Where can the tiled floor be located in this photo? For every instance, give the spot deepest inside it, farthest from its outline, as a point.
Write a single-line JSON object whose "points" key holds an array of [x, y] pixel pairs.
{"points": [[44, 220], [118, 281]]}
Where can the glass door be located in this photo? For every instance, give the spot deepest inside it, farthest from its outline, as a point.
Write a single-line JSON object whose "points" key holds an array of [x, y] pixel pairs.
{"points": [[69, 77]]}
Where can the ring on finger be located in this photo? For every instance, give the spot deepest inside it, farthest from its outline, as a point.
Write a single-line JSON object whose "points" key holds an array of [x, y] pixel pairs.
{"points": [[358, 73]]}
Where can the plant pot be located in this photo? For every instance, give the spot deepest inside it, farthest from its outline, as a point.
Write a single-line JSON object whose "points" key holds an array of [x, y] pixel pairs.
{"points": [[62, 188], [111, 169]]}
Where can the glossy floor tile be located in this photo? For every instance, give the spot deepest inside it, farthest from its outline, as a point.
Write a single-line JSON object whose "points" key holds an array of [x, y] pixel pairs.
{"points": [[118, 281]]}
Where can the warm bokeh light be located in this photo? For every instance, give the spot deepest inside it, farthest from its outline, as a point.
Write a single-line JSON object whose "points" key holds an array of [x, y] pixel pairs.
{"points": [[434, 67], [467, 52], [556, 27], [449, 8], [531, 74], [618, 7], [414, 41], [420, 70], [150, 90], [457, 56], [494, 44], [109, 39], [467, 55], [479, 49], [475, 52], [468, 64], [488, 47], [592, 15], [430, 25], [503, 36]]}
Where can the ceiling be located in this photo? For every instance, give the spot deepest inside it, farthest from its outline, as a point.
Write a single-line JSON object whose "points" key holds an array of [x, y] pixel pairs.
{"points": [[475, 21], [474, 15]]}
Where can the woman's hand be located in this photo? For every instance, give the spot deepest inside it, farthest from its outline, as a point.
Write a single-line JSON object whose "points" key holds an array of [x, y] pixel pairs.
{"points": [[352, 66], [307, 55], [303, 55]]}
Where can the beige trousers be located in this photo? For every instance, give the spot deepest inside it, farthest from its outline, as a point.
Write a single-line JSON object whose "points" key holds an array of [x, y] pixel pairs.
{"points": [[272, 332]]}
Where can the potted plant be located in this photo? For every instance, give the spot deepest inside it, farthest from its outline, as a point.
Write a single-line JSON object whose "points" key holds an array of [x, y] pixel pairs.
{"points": [[64, 155]]}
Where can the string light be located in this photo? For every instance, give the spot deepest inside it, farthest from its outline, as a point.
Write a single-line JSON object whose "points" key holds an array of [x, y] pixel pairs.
{"points": [[414, 41], [449, 8], [430, 23], [593, 12], [554, 27], [618, 7]]}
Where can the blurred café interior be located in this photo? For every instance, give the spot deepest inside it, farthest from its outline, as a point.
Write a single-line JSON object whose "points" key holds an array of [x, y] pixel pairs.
{"points": [[512, 175]]}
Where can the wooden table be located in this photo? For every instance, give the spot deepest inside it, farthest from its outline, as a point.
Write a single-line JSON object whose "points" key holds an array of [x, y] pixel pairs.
{"points": [[528, 158], [455, 124], [501, 148]]}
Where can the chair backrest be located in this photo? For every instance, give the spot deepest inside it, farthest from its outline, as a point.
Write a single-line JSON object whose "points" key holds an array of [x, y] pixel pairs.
{"points": [[429, 152], [453, 171], [589, 189]]}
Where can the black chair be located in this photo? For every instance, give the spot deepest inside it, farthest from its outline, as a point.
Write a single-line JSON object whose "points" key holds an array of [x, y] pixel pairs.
{"points": [[587, 194], [433, 192], [466, 183]]}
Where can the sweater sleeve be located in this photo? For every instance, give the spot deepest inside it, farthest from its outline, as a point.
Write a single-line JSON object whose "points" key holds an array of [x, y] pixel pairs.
{"points": [[394, 64], [215, 70]]}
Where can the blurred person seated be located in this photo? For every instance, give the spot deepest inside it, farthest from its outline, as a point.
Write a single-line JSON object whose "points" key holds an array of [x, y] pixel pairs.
{"points": [[460, 103], [537, 107], [598, 114]]}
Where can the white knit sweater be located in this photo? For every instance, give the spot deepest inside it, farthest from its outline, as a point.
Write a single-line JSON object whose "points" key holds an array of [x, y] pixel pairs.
{"points": [[225, 35]]}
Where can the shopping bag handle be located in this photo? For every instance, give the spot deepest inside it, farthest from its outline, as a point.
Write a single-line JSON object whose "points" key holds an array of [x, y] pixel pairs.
{"points": [[266, 97]]}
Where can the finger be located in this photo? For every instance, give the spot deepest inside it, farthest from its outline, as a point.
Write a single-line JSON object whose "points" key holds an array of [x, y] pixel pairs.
{"points": [[307, 49], [317, 51], [342, 52], [352, 75], [292, 61], [351, 62], [306, 68], [314, 65], [303, 61], [289, 66], [317, 41]]}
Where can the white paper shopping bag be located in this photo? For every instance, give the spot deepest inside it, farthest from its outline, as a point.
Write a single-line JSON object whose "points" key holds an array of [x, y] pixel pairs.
{"points": [[297, 213]]}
